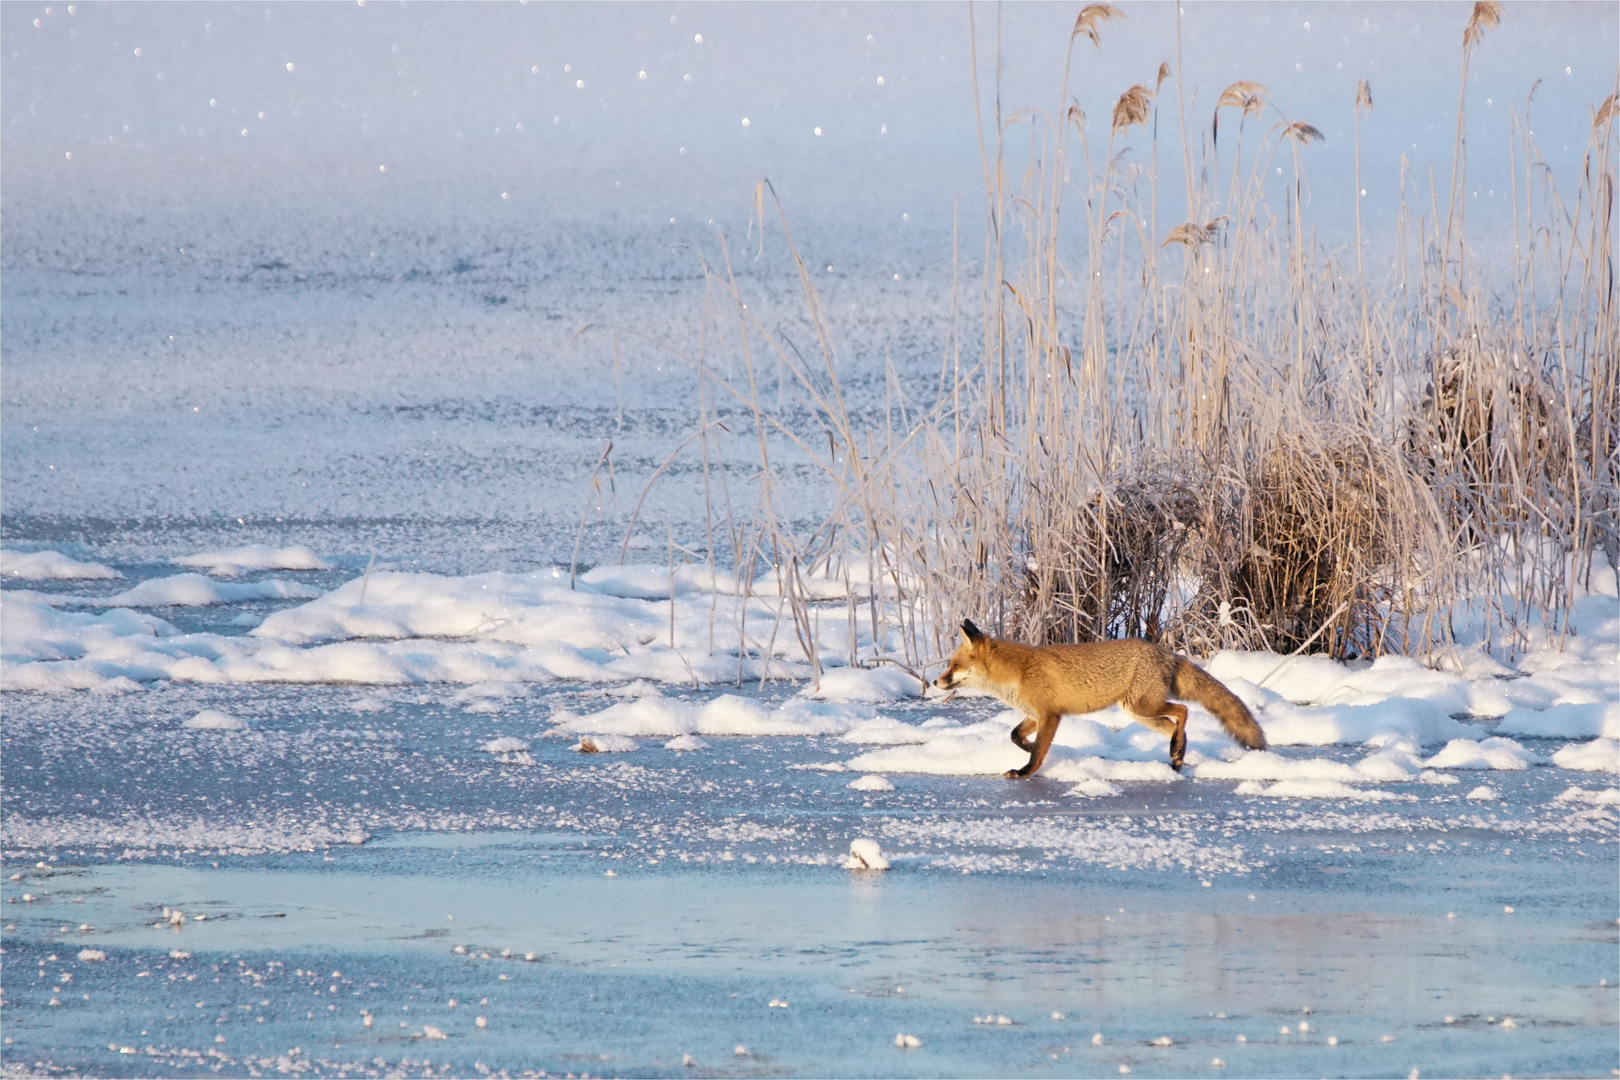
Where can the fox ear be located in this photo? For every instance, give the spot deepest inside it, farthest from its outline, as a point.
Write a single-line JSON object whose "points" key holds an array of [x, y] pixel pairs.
{"points": [[971, 632]]}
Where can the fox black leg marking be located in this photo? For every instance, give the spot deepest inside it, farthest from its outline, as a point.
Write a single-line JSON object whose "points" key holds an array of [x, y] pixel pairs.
{"points": [[1020, 736], [1178, 747]]}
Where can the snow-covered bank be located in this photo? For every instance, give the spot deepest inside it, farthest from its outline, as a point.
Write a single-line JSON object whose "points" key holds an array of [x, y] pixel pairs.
{"points": [[650, 633]]}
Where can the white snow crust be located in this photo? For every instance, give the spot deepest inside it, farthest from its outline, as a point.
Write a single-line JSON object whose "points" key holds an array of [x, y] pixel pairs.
{"points": [[214, 720], [52, 566], [496, 634], [235, 562]]}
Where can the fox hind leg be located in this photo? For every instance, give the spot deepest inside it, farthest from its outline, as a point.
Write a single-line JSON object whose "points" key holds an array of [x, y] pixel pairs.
{"points": [[1168, 719]]}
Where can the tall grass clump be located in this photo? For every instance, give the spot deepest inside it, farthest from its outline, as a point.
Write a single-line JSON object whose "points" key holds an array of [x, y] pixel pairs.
{"points": [[1198, 424]]}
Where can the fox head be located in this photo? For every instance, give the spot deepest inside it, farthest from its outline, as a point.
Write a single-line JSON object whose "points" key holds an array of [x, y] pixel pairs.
{"points": [[967, 666]]}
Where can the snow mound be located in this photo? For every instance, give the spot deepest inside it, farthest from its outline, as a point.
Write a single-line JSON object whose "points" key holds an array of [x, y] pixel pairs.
{"points": [[870, 782], [195, 590], [686, 743], [1391, 764], [1318, 789], [242, 560], [1593, 796], [1483, 793], [506, 744], [866, 685], [864, 854], [1599, 755], [642, 582], [1094, 788], [214, 720], [885, 731], [1493, 753], [92, 955], [51, 566], [727, 714], [1566, 721]]}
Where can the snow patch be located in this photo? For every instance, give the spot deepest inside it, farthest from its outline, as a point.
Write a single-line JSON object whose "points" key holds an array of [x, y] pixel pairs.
{"points": [[195, 590], [866, 685], [237, 561], [1566, 721], [51, 566], [870, 782], [1493, 753], [1599, 755], [1318, 789], [214, 720]]}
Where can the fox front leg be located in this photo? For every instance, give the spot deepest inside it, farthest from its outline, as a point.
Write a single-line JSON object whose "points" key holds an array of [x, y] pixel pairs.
{"points": [[1021, 734], [1045, 729]]}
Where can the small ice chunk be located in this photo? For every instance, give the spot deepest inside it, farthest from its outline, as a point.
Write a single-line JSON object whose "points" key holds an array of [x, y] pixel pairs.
{"points": [[90, 955], [870, 782], [1483, 793], [907, 1042], [506, 744], [431, 1032], [605, 744], [1097, 1039], [864, 854], [686, 743], [214, 720]]}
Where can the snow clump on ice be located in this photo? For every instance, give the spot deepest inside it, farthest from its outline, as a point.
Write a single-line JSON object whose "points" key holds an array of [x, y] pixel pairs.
{"points": [[864, 854], [1599, 755], [214, 720], [870, 783], [52, 566], [506, 744], [1493, 753], [238, 561]]}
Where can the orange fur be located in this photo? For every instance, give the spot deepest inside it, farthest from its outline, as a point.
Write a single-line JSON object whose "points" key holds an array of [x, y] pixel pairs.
{"points": [[1046, 681]]}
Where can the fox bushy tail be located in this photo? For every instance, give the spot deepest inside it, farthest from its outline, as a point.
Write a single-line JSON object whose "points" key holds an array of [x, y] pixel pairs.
{"points": [[1193, 683]]}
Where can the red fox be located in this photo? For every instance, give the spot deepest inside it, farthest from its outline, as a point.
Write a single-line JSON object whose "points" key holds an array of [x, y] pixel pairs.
{"points": [[1046, 681]]}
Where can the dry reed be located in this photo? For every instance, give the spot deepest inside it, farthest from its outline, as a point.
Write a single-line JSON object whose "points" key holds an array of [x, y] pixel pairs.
{"points": [[1222, 448]]}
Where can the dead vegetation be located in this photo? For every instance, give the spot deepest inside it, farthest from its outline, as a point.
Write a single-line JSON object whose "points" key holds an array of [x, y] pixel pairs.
{"points": [[1207, 431]]}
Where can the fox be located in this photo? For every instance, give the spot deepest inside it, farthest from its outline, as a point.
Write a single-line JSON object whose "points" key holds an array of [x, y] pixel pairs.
{"points": [[1046, 681]]}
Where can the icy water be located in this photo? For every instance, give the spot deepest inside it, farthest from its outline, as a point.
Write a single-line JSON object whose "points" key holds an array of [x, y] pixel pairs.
{"points": [[356, 855]]}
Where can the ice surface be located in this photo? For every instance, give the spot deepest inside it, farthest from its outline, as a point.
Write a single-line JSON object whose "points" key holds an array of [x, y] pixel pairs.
{"points": [[51, 566], [237, 561]]}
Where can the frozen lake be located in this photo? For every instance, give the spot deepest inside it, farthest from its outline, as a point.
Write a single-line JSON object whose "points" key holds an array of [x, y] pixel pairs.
{"points": [[355, 853], [314, 327]]}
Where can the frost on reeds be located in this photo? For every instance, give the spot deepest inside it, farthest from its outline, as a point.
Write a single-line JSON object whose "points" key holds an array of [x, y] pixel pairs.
{"points": [[1196, 425]]}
